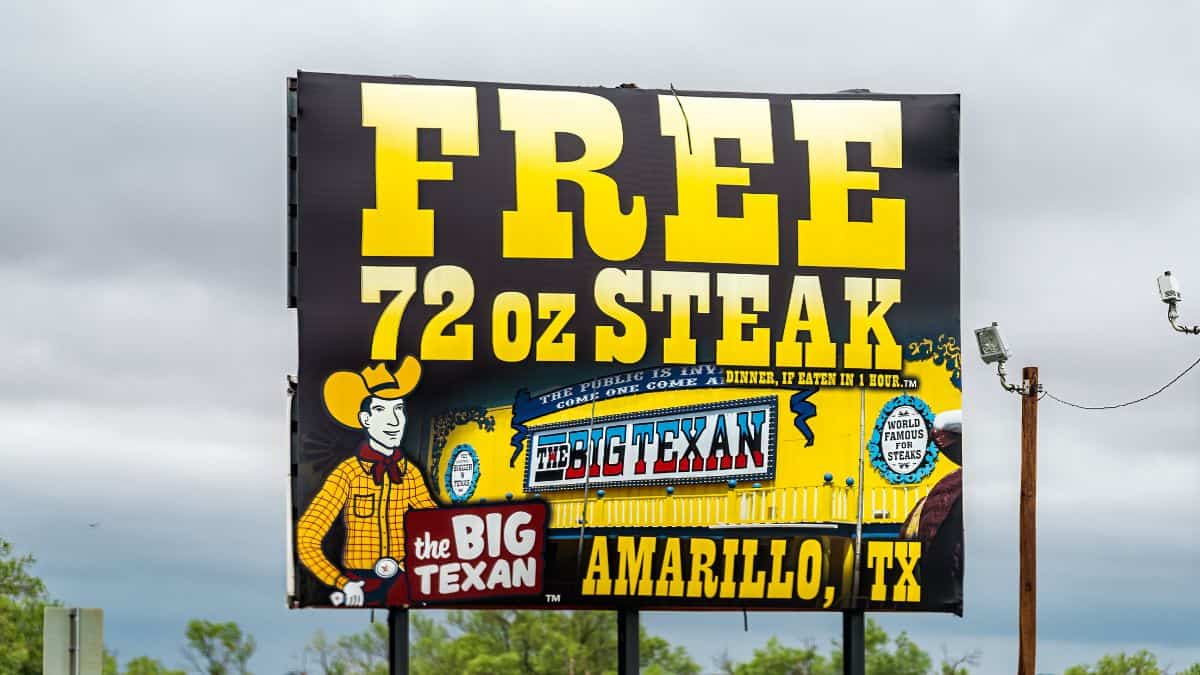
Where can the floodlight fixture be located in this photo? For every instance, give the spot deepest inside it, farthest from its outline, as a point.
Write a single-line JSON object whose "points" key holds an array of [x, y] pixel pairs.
{"points": [[993, 349], [1168, 292], [1168, 288]]}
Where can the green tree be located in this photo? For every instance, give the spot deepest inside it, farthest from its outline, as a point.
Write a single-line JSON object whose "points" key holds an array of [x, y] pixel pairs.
{"points": [[362, 653], [958, 665], [326, 655], [429, 648], [144, 665], [365, 653], [884, 656], [218, 648], [658, 657], [906, 658], [776, 658], [502, 643], [507, 641], [1141, 663], [22, 600]]}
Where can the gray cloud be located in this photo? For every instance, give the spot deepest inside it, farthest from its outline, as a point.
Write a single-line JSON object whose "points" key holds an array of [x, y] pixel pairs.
{"points": [[142, 268]]}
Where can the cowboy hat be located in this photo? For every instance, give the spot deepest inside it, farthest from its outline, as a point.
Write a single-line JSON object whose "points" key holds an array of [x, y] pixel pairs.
{"points": [[949, 420], [345, 390]]}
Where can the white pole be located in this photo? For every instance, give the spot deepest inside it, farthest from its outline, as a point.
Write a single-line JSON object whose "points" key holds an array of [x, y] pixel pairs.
{"points": [[862, 449]]}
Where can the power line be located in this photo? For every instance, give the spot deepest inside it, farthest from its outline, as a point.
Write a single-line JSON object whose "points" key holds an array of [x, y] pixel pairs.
{"points": [[1127, 403]]}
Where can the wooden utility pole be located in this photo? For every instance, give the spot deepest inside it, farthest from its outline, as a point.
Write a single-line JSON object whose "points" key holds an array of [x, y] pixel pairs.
{"points": [[1027, 656]]}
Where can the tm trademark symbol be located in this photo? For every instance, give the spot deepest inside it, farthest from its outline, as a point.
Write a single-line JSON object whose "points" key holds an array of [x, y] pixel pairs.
{"points": [[910, 383], [553, 597]]}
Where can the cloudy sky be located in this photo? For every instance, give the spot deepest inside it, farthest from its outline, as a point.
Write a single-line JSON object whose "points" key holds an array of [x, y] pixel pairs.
{"points": [[145, 339]]}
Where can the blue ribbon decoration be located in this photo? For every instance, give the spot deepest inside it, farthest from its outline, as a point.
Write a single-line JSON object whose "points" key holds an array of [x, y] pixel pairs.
{"points": [[523, 410], [804, 410]]}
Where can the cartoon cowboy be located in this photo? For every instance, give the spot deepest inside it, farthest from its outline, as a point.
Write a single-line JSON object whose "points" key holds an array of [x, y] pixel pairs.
{"points": [[370, 490]]}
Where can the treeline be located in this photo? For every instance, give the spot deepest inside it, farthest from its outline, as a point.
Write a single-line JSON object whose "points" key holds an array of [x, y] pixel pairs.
{"points": [[498, 642]]}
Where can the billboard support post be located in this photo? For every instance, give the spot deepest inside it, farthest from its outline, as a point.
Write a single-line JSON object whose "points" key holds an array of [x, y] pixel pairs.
{"points": [[627, 642], [397, 641], [1028, 574], [854, 652]]}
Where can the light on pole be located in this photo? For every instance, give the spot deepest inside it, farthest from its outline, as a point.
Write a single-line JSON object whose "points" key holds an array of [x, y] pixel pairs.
{"points": [[993, 349], [1168, 290]]}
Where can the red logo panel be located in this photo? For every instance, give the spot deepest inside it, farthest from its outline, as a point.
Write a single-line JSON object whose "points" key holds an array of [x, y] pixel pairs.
{"points": [[484, 551]]}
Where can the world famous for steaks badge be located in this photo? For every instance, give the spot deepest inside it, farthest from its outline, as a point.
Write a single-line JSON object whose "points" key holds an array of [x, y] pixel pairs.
{"points": [[901, 446]]}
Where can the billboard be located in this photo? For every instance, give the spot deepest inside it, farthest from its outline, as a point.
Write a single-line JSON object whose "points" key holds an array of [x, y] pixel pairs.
{"points": [[593, 347]]}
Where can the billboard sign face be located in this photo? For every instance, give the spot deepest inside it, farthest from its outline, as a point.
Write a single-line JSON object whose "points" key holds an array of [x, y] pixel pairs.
{"points": [[590, 347]]}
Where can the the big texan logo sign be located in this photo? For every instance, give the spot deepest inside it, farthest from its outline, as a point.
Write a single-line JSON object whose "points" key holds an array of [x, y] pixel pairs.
{"points": [[679, 445], [612, 347]]}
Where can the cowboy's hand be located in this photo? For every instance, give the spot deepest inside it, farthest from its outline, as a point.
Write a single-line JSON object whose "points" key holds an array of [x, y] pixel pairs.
{"points": [[353, 593]]}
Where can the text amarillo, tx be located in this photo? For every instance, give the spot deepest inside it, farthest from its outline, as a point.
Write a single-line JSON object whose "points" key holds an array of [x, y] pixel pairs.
{"points": [[740, 568]]}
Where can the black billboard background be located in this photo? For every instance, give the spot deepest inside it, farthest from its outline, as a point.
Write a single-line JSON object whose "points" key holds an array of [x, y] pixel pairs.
{"points": [[336, 180]]}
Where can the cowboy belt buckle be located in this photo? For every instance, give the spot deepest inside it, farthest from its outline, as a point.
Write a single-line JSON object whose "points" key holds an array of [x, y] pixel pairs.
{"points": [[386, 568]]}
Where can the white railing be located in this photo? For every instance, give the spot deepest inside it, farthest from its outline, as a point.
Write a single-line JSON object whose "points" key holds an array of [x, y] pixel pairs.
{"points": [[824, 503], [892, 504]]}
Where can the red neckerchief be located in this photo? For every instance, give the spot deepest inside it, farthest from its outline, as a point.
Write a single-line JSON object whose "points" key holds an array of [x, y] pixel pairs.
{"points": [[381, 464]]}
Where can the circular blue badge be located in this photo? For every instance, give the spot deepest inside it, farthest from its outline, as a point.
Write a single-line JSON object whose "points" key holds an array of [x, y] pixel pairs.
{"points": [[462, 473], [901, 446]]}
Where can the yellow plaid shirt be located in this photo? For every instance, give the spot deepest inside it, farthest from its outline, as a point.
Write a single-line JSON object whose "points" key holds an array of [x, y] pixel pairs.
{"points": [[373, 514]]}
